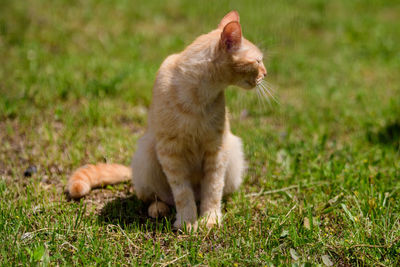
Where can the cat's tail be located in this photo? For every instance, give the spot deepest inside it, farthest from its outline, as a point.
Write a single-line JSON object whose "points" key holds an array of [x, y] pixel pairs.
{"points": [[90, 176]]}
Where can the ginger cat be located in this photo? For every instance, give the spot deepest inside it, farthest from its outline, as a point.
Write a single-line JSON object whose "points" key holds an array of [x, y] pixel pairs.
{"points": [[188, 153]]}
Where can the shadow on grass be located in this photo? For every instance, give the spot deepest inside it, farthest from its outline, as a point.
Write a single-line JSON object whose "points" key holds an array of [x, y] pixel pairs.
{"points": [[388, 135], [130, 211]]}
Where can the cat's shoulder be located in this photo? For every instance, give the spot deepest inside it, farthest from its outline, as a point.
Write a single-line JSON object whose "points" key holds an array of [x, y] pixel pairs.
{"points": [[170, 61]]}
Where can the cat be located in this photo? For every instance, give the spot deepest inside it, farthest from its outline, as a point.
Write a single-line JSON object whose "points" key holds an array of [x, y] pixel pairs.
{"points": [[188, 153]]}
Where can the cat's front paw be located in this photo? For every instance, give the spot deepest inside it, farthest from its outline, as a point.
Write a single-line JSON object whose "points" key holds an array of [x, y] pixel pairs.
{"points": [[179, 225], [212, 219]]}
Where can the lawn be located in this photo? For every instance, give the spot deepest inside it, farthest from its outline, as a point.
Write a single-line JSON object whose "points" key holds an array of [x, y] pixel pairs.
{"points": [[323, 178]]}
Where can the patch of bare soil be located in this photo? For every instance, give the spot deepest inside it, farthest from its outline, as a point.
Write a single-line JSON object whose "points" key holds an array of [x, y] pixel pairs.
{"points": [[99, 197]]}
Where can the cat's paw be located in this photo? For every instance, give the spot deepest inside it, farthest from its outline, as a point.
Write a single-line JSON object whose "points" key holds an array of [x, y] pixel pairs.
{"points": [[179, 225], [158, 209], [212, 219]]}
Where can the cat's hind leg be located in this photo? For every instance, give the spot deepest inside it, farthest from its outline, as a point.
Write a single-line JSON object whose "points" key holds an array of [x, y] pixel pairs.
{"points": [[149, 181], [236, 164], [158, 209]]}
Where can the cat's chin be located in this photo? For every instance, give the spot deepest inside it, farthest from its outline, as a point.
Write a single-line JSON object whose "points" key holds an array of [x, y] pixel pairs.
{"points": [[246, 85]]}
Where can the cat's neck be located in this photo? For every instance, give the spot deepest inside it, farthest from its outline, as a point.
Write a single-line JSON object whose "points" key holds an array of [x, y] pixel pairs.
{"points": [[202, 77]]}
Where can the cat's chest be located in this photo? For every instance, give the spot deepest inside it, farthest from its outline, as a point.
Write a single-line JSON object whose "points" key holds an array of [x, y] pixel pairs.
{"points": [[198, 115], [201, 128], [208, 122]]}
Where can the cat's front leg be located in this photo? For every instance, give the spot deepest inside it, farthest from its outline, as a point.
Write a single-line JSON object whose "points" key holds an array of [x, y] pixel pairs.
{"points": [[186, 209], [212, 185], [177, 172]]}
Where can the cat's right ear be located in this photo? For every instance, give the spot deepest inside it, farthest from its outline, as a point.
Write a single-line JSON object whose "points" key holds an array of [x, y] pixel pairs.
{"points": [[231, 36], [231, 16]]}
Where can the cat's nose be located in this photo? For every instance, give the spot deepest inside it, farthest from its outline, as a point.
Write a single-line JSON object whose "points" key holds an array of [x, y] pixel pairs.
{"points": [[263, 72]]}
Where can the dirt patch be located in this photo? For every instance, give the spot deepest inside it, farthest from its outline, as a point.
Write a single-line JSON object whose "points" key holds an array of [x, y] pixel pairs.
{"points": [[98, 198]]}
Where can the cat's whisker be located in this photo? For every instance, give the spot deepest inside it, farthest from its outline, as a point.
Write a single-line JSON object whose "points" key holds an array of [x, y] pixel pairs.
{"points": [[269, 86], [267, 94], [272, 96], [263, 95], [259, 80], [270, 89], [260, 98]]}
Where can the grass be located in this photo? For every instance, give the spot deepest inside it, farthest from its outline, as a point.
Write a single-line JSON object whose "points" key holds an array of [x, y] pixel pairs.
{"points": [[322, 185]]}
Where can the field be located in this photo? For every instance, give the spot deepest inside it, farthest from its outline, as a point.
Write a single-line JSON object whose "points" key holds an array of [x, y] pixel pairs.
{"points": [[323, 178]]}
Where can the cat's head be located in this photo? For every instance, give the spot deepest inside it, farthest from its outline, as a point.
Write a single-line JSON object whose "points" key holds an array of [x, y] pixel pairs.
{"points": [[245, 60]]}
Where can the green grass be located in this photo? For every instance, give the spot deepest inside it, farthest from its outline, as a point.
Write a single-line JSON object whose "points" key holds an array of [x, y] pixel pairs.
{"points": [[323, 177]]}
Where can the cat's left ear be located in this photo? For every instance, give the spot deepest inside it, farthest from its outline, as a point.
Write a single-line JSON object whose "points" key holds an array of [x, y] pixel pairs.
{"points": [[231, 36]]}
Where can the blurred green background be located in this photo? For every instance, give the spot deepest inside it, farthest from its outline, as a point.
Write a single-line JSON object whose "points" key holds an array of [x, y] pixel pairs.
{"points": [[75, 85]]}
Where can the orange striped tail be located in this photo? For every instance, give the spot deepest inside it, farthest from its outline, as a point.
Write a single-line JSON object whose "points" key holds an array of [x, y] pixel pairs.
{"points": [[91, 176]]}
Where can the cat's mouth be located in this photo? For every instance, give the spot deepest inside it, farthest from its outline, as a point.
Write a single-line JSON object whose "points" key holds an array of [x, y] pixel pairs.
{"points": [[253, 84], [250, 84], [259, 81]]}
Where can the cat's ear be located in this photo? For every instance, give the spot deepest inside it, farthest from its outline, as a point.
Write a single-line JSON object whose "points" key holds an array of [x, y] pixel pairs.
{"points": [[231, 16], [231, 36]]}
